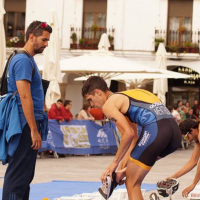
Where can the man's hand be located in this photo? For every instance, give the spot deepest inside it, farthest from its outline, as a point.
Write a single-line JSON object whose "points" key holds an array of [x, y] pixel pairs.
{"points": [[36, 140], [61, 120], [187, 190], [112, 167]]}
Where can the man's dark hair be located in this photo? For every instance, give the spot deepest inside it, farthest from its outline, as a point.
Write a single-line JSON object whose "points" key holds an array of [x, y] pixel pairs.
{"points": [[94, 82], [37, 31], [187, 124], [67, 102], [179, 101], [175, 106], [60, 100]]}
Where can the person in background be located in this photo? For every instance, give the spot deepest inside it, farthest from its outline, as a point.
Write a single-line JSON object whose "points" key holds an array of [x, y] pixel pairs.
{"points": [[176, 114], [76, 116], [182, 112], [66, 113], [196, 108], [187, 105], [179, 104], [190, 115], [190, 131], [55, 111], [85, 113]]}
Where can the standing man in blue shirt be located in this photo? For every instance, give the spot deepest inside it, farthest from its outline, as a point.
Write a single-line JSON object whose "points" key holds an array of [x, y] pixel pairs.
{"points": [[30, 98]]}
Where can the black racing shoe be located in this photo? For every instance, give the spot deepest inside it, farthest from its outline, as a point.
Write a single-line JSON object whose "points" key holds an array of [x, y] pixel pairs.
{"points": [[167, 187], [107, 188]]}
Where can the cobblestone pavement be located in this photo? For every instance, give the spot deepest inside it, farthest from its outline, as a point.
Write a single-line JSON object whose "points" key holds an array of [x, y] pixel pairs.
{"points": [[89, 168]]}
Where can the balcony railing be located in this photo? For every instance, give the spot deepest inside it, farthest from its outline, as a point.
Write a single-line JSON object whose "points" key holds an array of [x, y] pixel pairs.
{"points": [[88, 38], [180, 41]]}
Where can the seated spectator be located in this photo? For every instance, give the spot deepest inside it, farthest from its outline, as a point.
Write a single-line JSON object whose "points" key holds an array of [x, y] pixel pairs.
{"points": [[182, 112], [76, 116], [176, 114], [97, 113], [196, 108], [66, 113], [190, 115], [179, 103], [187, 105], [85, 113], [55, 111]]}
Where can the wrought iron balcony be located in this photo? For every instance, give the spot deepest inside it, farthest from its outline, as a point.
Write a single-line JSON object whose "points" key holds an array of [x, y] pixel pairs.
{"points": [[88, 38], [179, 41]]}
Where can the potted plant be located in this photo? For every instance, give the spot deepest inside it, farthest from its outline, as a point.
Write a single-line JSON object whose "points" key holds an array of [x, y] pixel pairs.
{"points": [[88, 44], [74, 40], [82, 43], [157, 41], [14, 41], [194, 48], [94, 28], [188, 47], [111, 39], [172, 48], [8, 43]]}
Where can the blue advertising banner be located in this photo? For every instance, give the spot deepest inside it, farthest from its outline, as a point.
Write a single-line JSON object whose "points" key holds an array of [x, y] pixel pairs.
{"points": [[81, 137]]}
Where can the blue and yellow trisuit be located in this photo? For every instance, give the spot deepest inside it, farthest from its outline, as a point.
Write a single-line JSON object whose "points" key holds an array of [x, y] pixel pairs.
{"points": [[160, 134]]}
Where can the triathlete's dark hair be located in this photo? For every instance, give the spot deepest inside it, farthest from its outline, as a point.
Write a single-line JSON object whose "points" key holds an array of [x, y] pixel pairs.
{"points": [[94, 82]]}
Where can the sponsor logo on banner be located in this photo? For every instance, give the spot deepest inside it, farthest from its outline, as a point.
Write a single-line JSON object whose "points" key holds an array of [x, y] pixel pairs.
{"points": [[75, 136], [145, 139], [102, 139], [50, 139]]}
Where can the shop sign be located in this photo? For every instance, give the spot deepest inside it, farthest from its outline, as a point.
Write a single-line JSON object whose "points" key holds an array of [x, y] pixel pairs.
{"points": [[193, 81]]}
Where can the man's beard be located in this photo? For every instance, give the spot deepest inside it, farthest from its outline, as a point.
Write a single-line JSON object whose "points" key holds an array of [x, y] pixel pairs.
{"points": [[39, 50]]}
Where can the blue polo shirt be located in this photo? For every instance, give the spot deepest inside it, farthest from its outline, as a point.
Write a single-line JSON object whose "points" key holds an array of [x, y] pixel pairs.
{"points": [[21, 68]]}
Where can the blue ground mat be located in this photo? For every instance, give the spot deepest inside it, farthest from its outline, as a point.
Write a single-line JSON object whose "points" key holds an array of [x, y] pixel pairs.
{"points": [[55, 189]]}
